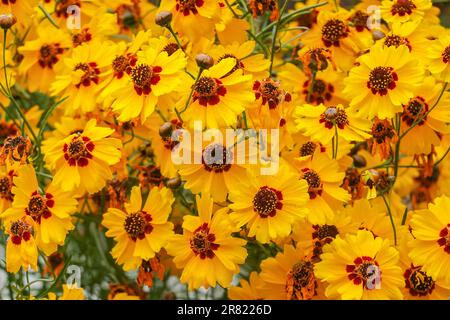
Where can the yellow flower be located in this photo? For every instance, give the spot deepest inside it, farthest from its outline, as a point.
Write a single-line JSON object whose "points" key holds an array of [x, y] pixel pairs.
{"points": [[384, 80], [221, 93], [249, 290], [324, 178], [431, 246], [83, 76], [206, 251], [325, 123], [23, 10], [424, 136], [219, 171], [404, 10], [142, 230], [41, 55], [333, 33], [360, 267], [6, 184], [289, 276], [82, 160], [21, 249], [153, 74], [50, 211], [439, 55], [269, 204]]}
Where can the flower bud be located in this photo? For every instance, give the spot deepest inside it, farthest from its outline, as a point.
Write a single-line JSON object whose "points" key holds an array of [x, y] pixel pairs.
{"points": [[173, 183], [204, 61], [165, 131], [7, 21], [359, 161], [377, 35], [163, 18]]}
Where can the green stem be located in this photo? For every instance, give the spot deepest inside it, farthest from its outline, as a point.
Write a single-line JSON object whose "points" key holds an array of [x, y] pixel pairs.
{"points": [[391, 218], [443, 157], [191, 93], [274, 36], [175, 37]]}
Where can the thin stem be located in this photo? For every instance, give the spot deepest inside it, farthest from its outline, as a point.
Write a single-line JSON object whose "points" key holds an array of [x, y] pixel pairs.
{"points": [[442, 158], [175, 37], [391, 218], [336, 137], [192, 91], [405, 214], [274, 36], [231, 9]]}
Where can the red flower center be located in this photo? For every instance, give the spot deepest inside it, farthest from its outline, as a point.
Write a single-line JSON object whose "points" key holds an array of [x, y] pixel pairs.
{"points": [[217, 158], [202, 242], [444, 240], [91, 73], [186, 7], [396, 41], [144, 77], [20, 230], [365, 270], [82, 37], [333, 31], [359, 20], [78, 151], [415, 110], [301, 283], [381, 79], [266, 202], [314, 182], [269, 92], [418, 282], [62, 7], [208, 91], [332, 116], [48, 55], [137, 225], [403, 7], [320, 92], [38, 206], [446, 55], [5, 188]]}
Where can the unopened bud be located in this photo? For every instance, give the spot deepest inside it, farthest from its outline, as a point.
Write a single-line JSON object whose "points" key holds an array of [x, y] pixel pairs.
{"points": [[359, 161], [165, 131], [173, 183], [377, 35], [204, 61], [163, 18], [7, 20]]}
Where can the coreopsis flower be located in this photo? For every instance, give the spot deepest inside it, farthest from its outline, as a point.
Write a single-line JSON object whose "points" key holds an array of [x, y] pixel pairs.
{"points": [[152, 75], [384, 80], [289, 275], [325, 123], [206, 251], [404, 10], [426, 122], [430, 247], [193, 18], [220, 94], [143, 229], [360, 267], [148, 270], [249, 63], [41, 55], [231, 29], [101, 25], [82, 160], [323, 178], [333, 32], [269, 204], [50, 211], [21, 249], [439, 55], [249, 290], [418, 285], [326, 87], [219, 170], [83, 76]]}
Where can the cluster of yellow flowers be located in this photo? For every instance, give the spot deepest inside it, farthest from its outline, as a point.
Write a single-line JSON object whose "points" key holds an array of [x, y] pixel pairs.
{"points": [[98, 95]]}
